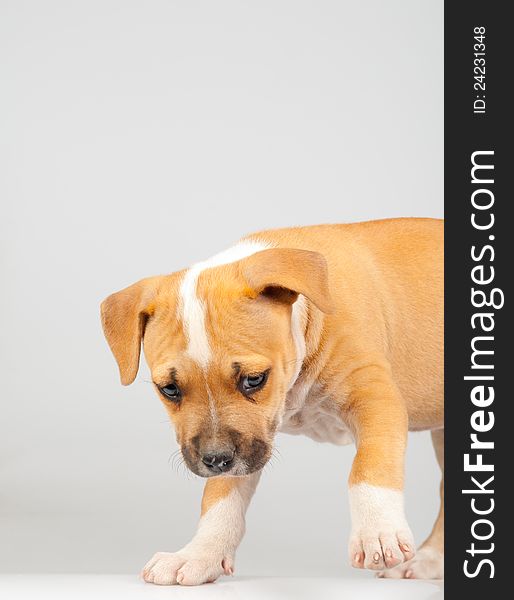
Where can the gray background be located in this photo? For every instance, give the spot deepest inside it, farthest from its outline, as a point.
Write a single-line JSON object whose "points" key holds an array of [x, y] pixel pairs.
{"points": [[136, 138]]}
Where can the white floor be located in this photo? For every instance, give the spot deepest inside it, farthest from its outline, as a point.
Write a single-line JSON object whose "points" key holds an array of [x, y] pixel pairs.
{"points": [[127, 587]]}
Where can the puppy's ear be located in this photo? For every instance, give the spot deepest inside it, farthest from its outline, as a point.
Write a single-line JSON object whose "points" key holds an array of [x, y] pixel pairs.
{"points": [[124, 315], [284, 273]]}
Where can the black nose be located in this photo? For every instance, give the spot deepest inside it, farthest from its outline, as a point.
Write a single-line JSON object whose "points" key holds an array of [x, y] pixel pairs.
{"points": [[218, 462]]}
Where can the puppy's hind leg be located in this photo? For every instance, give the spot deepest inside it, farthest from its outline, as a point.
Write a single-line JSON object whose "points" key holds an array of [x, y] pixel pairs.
{"points": [[429, 560]]}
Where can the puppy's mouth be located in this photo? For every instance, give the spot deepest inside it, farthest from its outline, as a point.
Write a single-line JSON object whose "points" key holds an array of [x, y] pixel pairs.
{"points": [[210, 460]]}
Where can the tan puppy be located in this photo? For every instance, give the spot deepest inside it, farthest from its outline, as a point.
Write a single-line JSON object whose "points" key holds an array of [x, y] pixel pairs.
{"points": [[333, 331]]}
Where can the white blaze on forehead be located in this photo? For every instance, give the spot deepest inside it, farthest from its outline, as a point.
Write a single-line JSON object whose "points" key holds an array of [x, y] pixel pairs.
{"points": [[192, 308]]}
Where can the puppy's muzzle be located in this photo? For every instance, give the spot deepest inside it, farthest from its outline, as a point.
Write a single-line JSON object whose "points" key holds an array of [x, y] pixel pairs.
{"points": [[232, 455]]}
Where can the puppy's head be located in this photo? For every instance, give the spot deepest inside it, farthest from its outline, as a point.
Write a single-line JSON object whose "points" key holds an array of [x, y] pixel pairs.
{"points": [[223, 347]]}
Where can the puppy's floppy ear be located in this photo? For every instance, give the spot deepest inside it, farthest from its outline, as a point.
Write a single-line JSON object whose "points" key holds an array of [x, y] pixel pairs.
{"points": [[124, 315], [284, 273]]}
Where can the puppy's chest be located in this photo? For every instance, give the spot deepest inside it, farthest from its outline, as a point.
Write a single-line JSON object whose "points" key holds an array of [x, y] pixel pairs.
{"points": [[309, 411]]}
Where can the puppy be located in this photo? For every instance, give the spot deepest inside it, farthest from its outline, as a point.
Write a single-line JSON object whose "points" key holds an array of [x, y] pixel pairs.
{"points": [[331, 331]]}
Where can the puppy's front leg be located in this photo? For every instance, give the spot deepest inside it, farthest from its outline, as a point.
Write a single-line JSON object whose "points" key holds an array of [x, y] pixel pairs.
{"points": [[212, 550], [381, 537]]}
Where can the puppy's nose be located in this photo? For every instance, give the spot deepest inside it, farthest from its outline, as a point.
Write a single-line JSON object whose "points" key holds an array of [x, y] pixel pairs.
{"points": [[218, 462]]}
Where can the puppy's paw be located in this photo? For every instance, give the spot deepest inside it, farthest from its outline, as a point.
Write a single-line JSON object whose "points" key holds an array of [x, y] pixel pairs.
{"points": [[381, 537], [384, 548], [427, 564], [167, 568]]}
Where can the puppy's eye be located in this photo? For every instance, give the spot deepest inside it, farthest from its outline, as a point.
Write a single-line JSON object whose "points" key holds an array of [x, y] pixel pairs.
{"points": [[252, 383], [171, 392]]}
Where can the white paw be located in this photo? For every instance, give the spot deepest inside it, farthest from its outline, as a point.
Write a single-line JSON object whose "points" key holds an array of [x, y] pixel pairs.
{"points": [[428, 564], [381, 537], [167, 568], [380, 549]]}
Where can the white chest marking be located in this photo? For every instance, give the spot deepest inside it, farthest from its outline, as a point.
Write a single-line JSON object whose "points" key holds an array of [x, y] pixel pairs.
{"points": [[310, 412], [192, 308]]}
